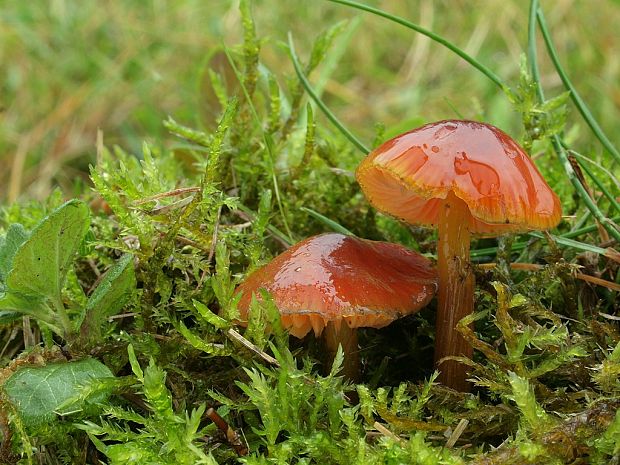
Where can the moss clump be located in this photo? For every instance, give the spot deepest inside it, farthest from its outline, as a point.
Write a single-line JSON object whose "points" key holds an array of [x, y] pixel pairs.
{"points": [[177, 228]]}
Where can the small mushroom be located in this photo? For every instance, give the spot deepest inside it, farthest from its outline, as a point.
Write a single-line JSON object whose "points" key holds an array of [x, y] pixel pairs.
{"points": [[333, 284], [462, 177]]}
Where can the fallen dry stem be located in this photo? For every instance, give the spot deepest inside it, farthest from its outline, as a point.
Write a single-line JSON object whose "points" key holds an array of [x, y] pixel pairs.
{"points": [[231, 435], [172, 193], [456, 433], [386, 432], [235, 336]]}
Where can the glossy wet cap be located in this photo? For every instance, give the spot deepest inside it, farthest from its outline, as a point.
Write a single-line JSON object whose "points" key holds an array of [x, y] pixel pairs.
{"points": [[333, 277], [409, 176]]}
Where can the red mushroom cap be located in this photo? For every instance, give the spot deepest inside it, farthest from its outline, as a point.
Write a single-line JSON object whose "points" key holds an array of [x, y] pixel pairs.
{"points": [[333, 277], [410, 175]]}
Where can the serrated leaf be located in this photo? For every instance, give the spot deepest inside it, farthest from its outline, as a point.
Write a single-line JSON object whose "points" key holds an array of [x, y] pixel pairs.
{"points": [[112, 293], [41, 264], [37, 392]]}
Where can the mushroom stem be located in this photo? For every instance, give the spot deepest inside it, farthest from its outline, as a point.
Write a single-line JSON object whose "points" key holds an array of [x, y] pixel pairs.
{"points": [[456, 291], [341, 334]]}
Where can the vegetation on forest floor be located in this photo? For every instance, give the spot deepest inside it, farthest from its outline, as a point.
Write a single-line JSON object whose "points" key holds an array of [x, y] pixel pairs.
{"points": [[119, 341]]}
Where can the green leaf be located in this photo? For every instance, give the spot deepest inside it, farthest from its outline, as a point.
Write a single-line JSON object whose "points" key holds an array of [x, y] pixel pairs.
{"points": [[9, 244], [41, 264], [14, 305], [335, 226], [37, 392], [112, 293]]}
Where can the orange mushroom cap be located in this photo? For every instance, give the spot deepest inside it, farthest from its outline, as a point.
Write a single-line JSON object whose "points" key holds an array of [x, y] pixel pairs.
{"points": [[410, 175], [333, 277]]}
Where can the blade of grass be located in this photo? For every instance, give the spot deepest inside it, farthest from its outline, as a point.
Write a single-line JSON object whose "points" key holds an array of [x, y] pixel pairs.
{"points": [[314, 96], [532, 55], [598, 182], [572, 243], [298, 69], [558, 239], [609, 225], [268, 143], [555, 139], [522, 245], [612, 176], [431, 35], [583, 158], [328, 222], [586, 229], [574, 95], [582, 221]]}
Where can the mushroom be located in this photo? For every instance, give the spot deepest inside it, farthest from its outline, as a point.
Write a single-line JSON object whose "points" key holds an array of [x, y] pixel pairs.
{"points": [[462, 177], [333, 284]]}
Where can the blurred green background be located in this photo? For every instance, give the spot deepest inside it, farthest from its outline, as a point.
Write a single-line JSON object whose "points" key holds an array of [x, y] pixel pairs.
{"points": [[69, 68]]}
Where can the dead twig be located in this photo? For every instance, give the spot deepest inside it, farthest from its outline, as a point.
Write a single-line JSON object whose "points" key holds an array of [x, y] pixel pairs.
{"points": [[232, 438], [386, 432], [172, 193], [235, 336]]}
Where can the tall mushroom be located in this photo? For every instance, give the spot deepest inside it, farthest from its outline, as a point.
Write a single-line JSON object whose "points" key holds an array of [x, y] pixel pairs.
{"points": [[462, 177], [333, 284]]}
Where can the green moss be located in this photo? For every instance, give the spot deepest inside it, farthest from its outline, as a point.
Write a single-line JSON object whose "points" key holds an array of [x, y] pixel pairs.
{"points": [[219, 199]]}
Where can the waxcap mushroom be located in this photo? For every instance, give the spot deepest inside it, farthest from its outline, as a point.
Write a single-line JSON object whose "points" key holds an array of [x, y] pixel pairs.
{"points": [[334, 278], [465, 178], [410, 175]]}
